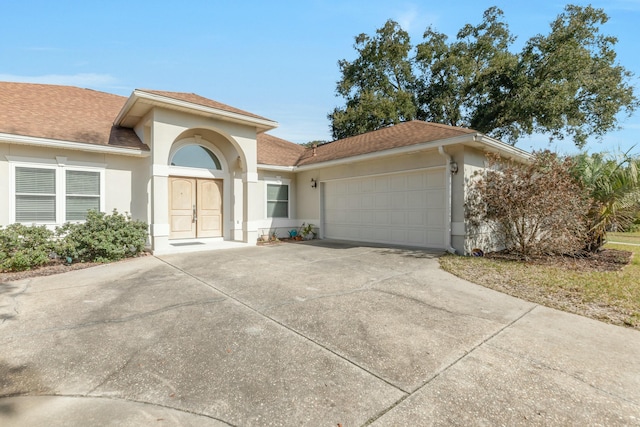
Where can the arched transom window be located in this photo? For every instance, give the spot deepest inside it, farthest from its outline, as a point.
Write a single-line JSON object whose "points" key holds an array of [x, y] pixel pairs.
{"points": [[195, 156]]}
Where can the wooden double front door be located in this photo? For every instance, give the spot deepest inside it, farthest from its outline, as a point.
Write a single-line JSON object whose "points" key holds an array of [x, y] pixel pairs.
{"points": [[195, 207]]}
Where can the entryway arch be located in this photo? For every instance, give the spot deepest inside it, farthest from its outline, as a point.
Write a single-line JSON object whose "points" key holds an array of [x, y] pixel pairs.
{"points": [[197, 174]]}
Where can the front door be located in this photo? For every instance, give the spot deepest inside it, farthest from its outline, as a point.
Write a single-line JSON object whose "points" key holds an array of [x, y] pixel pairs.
{"points": [[195, 207]]}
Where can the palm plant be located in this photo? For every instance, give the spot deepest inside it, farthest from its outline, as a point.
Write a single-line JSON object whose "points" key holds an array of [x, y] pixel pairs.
{"points": [[613, 184]]}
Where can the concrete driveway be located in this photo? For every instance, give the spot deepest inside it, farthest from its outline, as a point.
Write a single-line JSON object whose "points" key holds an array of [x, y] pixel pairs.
{"points": [[317, 333]]}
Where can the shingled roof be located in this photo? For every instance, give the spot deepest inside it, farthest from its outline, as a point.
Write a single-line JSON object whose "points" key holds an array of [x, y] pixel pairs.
{"points": [[278, 152], [64, 113], [201, 100], [73, 114], [396, 136]]}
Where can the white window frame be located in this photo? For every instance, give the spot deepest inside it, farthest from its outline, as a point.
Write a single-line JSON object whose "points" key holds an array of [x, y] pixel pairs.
{"points": [[60, 165], [277, 181]]}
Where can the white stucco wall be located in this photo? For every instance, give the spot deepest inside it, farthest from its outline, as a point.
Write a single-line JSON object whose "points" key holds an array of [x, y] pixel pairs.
{"points": [[125, 178]]}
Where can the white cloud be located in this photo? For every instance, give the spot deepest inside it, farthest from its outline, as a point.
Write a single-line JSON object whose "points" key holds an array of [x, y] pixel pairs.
{"points": [[407, 17], [80, 79]]}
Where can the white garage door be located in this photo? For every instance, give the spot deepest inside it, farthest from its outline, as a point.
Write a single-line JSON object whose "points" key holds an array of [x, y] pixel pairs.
{"points": [[400, 209]]}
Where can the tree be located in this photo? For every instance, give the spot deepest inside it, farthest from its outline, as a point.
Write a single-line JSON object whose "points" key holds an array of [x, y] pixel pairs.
{"points": [[613, 183], [565, 84], [535, 208], [377, 86], [457, 80]]}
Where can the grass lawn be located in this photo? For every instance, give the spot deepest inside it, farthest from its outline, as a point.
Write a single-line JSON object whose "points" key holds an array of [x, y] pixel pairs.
{"points": [[624, 237], [609, 296]]}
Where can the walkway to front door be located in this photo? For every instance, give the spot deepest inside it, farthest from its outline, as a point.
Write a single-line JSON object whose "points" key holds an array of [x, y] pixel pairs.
{"points": [[195, 207]]}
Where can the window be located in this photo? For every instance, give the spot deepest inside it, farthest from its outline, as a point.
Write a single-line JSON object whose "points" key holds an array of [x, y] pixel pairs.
{"points": [[35, 195], [195, 156], [47, 193], [82, 194], [277, 201]]}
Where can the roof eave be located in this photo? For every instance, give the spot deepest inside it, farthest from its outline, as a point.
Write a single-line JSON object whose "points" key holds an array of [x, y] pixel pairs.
{"points": [[390, 152], [276, 168], [502, 148], [262, 125], [472, 139], [70, 145]]}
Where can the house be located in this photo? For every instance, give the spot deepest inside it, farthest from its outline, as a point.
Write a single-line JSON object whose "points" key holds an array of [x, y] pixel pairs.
{"points": [[199, 171]]}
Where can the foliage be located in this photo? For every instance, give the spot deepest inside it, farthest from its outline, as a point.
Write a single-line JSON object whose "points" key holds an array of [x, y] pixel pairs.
{"points": [[102, 237], [308, 232], [24, 247], [565, 84], [534, 208], [613, 184], [377, 86], [315, 142]]}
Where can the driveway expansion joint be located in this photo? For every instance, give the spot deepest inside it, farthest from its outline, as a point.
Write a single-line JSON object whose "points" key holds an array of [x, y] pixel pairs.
{"points": [[288, 328], [449, 366], [548, 367]]}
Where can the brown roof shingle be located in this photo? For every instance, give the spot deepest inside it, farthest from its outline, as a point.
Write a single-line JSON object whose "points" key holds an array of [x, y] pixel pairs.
{"points": [[200, 100], [278, 152], [64, 113], [400, 135]]}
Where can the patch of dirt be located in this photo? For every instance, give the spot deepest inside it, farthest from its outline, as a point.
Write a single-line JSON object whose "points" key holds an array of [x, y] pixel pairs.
{"points": [[605, 260]]}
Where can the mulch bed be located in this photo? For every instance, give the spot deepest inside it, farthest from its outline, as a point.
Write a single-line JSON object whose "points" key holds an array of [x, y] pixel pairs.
{"points": [[604, 260], [55, 267]]}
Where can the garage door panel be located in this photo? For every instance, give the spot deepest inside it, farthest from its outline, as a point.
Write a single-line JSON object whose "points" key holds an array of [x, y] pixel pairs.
{"points": [[381, 184], [381, 218], [434, 199], [399, 200], [417, 200], [398, 218], [435, 218], [398, 183], [353, 203], [353, 217], [418, 218], [383, 200], [435, 180], [416, 182], [403, 209], [368, 201]]}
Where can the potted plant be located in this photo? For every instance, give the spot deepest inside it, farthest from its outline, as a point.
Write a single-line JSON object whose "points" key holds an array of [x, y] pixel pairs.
{"points": [[307, 232]]}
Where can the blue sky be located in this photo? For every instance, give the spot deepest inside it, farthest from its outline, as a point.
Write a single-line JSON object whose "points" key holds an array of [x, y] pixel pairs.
{"points": [[273, 58]]}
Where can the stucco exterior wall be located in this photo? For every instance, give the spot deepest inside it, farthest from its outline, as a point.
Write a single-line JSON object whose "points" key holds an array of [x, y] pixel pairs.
{"points": [[235, 146], [125, 178], [309, 199], [280, 226], [475, 237]]}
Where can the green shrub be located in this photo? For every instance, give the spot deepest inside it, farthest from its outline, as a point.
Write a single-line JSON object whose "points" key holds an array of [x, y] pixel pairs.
{"points": [[102, 238], [25, 247]]}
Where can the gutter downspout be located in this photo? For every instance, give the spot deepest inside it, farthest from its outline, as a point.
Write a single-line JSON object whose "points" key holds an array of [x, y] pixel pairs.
{"points": [[447, 237]]}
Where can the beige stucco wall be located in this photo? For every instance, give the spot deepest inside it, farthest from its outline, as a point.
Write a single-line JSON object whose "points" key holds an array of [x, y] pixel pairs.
{"points": [[280, 226], [235, 146], [309, 199], [125, 178], [474, 162]]}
